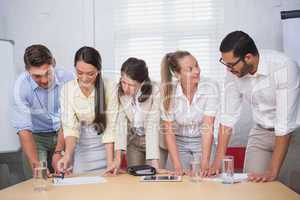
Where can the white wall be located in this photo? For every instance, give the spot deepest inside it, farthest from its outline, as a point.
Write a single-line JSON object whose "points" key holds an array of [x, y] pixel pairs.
{"points": [[260, 19], [66, 25], [104, 34], [63, 26]]}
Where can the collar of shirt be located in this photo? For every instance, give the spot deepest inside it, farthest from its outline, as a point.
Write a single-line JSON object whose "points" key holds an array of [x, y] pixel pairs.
{"points": [[201, 89], [79, 93], [262, 68], [136, 110], [135, 99]]}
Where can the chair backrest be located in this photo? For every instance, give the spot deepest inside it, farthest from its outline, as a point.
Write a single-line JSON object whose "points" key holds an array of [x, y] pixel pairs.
{"points": [[239, 156]]}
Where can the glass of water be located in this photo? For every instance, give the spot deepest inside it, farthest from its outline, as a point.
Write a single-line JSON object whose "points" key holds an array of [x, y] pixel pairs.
{"points": [[228, 170], [195, 171], [40, 176]]}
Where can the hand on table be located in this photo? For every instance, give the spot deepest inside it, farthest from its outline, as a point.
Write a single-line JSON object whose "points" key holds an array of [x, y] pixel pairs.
{"points": [[64, 165], [55, 158], [113, 169], [179, 171], [265, 177], [204, 168], [215, 168]]}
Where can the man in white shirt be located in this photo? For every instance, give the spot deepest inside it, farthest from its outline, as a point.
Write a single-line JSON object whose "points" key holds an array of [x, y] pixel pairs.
{"points": [[269, 81]]}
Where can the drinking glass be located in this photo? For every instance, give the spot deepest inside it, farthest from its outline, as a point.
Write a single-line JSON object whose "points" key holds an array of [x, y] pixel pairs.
{"points": [[40, 176], [228, 170]]}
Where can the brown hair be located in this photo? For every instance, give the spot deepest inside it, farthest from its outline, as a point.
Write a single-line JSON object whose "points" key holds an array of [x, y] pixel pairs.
{"points": [[37, 55], [91, 56], [137, 70], [170, 65]]}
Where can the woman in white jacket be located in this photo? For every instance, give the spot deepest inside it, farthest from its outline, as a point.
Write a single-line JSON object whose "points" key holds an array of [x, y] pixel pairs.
{"points": [[137, 120]]}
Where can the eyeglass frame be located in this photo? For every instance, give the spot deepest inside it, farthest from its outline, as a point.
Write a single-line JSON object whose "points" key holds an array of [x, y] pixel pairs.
{"points": [[229, 65]]}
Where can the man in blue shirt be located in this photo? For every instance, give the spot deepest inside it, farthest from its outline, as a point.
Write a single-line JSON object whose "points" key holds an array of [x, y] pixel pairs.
{"points": [[36, 108]]}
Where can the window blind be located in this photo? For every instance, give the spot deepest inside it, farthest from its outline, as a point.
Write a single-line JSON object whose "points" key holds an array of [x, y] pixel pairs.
{"points": [[148, 29]]}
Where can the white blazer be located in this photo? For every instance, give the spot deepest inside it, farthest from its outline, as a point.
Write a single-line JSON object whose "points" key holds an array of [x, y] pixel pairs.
{"points": [[151, 114]]}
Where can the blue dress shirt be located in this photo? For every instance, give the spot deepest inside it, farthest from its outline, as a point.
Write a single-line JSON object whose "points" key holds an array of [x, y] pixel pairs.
{"points": [[37, 109]]}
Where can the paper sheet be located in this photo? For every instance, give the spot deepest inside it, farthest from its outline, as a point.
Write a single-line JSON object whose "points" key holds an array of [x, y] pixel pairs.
{"points": [[238, 177], [78, 180]]}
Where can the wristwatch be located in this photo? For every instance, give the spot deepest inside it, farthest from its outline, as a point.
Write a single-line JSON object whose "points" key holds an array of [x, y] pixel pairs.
{"points": [[61, 152]]}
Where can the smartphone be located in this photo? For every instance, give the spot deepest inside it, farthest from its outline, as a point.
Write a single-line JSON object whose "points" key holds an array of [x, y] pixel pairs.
{"points": [[160, 178]]}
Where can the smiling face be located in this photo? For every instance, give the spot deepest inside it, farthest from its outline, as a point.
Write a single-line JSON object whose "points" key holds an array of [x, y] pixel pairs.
{"points": [[42, 75], [189, 70], [86, 74], [237, 66]]}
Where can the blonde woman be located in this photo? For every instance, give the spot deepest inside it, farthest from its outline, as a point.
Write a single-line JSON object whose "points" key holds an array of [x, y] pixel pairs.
{"points": [[189, 108]]}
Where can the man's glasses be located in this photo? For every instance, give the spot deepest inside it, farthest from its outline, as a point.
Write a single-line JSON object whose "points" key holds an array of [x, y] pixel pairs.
{"points": [[230, 65]]}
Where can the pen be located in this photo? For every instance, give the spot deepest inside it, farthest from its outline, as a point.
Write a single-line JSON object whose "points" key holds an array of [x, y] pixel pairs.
{"points": [[62, 175]]}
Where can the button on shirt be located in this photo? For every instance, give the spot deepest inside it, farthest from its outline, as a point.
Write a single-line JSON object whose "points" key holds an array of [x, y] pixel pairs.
{"points": [[37, 109], [138, 115], [273, 93], [188, 117]]}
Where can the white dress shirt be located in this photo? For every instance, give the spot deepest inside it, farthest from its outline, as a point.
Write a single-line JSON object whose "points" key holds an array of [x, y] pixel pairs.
{"points": [[147, 117], [77, 108], [138, 115], [187, 116], [273, 93]]}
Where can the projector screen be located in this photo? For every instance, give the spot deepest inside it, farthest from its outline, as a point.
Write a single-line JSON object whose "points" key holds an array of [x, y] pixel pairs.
{"points": [[9, 141]]}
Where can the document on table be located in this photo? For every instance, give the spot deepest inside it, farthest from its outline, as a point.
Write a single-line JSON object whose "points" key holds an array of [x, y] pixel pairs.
{"points": [[238, 177], [78, 180]]}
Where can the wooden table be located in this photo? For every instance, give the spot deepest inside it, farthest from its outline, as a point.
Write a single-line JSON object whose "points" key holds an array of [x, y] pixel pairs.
{"points": [[125, 187]]}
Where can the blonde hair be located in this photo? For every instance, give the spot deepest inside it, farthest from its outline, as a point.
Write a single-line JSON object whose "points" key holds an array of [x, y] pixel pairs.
{"points": [[170, 65]]}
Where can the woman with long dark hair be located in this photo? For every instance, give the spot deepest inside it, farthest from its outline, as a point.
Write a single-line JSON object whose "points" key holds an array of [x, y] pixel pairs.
{"points": [[84, 119], [138, 118]]}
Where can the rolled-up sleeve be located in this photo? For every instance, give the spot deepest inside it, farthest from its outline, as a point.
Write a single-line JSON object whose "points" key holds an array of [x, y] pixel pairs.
{"points": [[69, 120], [213, 100], [231, 100], [153, 127], [167, 115], [287, 98], [111, 112], [121, 131], [21, 115]]}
